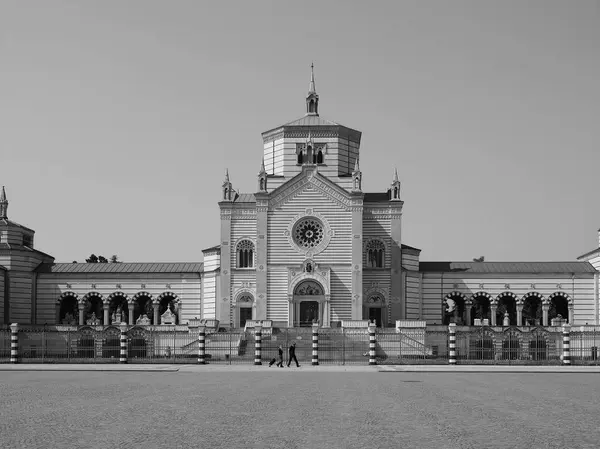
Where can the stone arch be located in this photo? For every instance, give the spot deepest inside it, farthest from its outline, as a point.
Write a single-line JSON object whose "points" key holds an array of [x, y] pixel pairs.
{"points": [[314, 276], [142, 305], [67, 308], [375, 306], [309, 287], [506, 303], [480, 306], [560, 304], [244, 309], [455, 308], [94, 304], [168, 300], [118, 307], [532, 308]]}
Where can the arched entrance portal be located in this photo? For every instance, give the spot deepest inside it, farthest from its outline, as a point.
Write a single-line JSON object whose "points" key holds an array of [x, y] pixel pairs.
{"points": [[309, 304]]}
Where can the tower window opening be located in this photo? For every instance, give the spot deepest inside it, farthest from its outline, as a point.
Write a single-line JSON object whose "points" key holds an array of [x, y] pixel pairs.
{"points": [[300, 157], [375, 254], [320, 157], [245, 254]]}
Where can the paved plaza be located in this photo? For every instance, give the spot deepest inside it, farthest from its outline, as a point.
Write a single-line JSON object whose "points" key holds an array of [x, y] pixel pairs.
{"points": [[298, 408]]}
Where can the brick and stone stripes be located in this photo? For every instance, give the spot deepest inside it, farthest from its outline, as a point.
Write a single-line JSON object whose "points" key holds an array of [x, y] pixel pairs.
{"points": [[566, 330], [315, 345], [14, 343], [201, 345], [372, 345], [123, 354], [452, 344], [257, 345]]}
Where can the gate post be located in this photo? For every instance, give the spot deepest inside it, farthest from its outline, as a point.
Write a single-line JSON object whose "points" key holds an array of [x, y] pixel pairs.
{"points": [[566, 344], [372, 344], [123, 355], [201, 345], [452, 344], [315, 344], [14, 343], [257, 345]]}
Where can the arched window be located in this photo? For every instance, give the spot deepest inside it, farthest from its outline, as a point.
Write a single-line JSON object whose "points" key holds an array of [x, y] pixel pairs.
{"points": [[375, 254], [320, 157], [299, 157], [245, 254]]}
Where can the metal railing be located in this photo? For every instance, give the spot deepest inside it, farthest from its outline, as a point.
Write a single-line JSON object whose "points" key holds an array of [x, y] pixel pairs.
{"points": [[336, 346]]}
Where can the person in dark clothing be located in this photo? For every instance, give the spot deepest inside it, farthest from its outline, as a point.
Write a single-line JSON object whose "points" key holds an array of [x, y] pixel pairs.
{"points": [[292, 353], [280, 362]]}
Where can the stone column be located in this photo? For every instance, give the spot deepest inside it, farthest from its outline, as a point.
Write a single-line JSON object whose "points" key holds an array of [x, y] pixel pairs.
{"points": [[14, 343], [123, 353], [201, 345], [315, 345], [357, 256], [566, 330], [452, 344], [106, 309], [155, 315], [179, 312], [291, 310], [81, 310], [257, 345], [130, 307], [571, 313], [493, 310], [519, 314], [326, 320], [262, 206], [372, 346], [468, 305], [545, 311], [398, 277], [223, 303]]}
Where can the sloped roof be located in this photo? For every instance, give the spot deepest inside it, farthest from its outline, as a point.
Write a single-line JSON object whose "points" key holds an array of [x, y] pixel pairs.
{"points": [[13, 223], [508, 267], [590, 253], [24, 248], [376, 197], [146, 267], [311, 120], [2, 268], [403, 246], [245, 198]]}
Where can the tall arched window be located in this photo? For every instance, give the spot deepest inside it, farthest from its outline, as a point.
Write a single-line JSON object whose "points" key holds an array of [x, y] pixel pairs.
{"points": [[299, 157], [375, 254], [245, 254], [320, 157]]}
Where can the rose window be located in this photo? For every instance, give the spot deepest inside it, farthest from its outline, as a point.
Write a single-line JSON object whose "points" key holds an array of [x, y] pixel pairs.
{"points": [[308, 233]]}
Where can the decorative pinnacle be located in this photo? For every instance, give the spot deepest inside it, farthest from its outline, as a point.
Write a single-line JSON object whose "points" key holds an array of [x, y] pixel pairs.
{"points": [[396, 175], [311, 87], [226, 175], [356, 169], [262, 166], [3, 195], [3, 204]]}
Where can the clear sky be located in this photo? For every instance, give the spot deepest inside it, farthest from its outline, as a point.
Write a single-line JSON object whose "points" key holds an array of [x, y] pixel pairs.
{"points": [[118, 118]]}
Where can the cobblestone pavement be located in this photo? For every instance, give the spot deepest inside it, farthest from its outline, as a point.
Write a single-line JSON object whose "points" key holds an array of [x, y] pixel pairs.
{"points": [[298, 409]]}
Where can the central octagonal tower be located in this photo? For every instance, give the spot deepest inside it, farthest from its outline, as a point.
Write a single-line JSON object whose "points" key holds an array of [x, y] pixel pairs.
{"points": [[308, 245]]}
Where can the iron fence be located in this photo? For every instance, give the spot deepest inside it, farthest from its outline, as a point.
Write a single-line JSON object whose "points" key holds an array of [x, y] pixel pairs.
{"points": [[584, 344], [508, 345], [337, 346], [4, 344]]}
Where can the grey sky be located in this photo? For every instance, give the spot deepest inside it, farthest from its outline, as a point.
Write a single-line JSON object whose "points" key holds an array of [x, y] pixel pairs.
{"points": [[118, 118]]}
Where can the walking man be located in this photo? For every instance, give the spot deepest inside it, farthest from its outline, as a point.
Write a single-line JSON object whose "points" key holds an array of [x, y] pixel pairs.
{"points": [[292, 354], [280, 362]]}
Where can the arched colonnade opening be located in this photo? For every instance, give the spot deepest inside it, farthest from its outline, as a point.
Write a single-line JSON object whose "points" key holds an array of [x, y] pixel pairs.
{"points": [[507, 309]]}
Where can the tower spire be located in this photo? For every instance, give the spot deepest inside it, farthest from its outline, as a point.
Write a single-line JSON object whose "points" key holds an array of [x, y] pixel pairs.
{"points": [[311, 87], [395, 175], [3, 204], [312, 99]]}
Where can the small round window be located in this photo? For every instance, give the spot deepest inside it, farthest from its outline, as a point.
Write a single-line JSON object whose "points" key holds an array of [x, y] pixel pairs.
{"points": [[308, 233]]}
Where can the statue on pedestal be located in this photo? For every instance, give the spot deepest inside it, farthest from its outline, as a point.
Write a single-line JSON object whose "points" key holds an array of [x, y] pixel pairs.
{"points": [[93, 321]]}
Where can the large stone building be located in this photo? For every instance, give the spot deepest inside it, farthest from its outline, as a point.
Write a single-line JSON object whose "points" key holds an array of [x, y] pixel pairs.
{"points": [[305, 245]]}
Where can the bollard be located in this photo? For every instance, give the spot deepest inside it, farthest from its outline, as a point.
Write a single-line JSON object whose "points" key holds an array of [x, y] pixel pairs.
{"points": [[257, 345], [123, 355], [566, 344], [452, 344], [372, 343], [201, 345], [315, 344], [14, 343]]}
